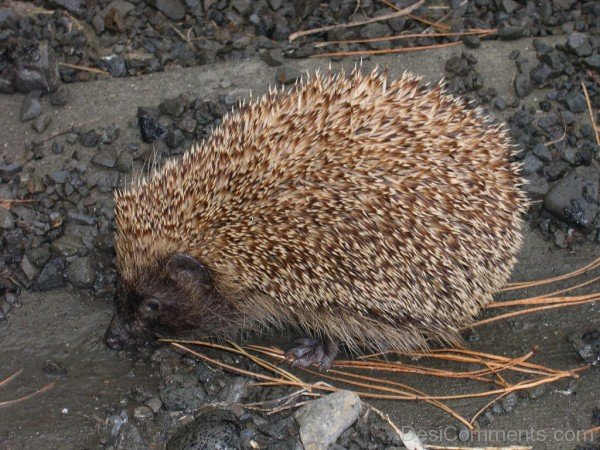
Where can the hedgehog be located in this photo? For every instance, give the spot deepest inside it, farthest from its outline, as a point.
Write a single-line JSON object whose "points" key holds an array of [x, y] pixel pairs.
{"points": [[355, 210]]}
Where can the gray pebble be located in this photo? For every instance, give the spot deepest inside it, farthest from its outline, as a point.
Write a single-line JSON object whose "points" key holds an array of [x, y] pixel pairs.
{"points": [[81, 272], [41, 123], [30, 108], [7, 222]]}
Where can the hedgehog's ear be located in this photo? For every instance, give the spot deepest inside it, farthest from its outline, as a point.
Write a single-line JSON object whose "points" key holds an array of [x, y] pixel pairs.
{"points": [[184, 268]]}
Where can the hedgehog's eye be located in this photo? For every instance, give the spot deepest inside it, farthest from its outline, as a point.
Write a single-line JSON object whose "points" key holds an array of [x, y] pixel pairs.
{"points": [[151, 305]]}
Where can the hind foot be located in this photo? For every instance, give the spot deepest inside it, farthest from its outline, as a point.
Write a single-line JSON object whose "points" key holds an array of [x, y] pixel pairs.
{"points": [[307, 352]]}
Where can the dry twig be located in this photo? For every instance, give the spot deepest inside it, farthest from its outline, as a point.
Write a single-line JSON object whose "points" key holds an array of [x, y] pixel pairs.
{"points": [[393, 15], [84, 68], [591, 112], [388, 51]]}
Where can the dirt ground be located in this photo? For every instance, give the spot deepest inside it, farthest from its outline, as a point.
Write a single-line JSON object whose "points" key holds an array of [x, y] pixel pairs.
{"points": [[64, 327]]}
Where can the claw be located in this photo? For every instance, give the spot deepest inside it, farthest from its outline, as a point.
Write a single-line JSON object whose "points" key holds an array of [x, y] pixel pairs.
{"points": [[307, 352]]}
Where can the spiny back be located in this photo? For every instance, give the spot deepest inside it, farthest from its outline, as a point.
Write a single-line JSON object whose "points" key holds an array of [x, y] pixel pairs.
{"points": [[373, 201]]}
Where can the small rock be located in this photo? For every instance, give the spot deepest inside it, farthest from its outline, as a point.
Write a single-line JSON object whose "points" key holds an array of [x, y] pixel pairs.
{"points": [[537, 185], [508, 6], [212, 429], [142, 413], [154, 404], [522, 85], [61, 97], [579, 44], [540, 73], [173, 9], [286, 75], [576, 102], [531, 164], [129, 437], [30, 108], [105, 158], [376, 30], [593, 61], [181, 392], [588, 346], [50, 277], [542, 152], [73, 6], [323, 420], [38, 71], [173, 107], [7, 222], [151, 129], [574, 198], [41, 123], [500, 103], [508, 32], [81, 272], [114, 64], [472, 41], [124, 163], [66, 245], [90, 138], [30, 271], [174, 138], [59, 176], [509, 402]]}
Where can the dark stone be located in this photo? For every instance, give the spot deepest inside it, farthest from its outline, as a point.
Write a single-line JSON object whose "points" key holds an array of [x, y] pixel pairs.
{"points": [[114, 64], [61, 97], [472, 41], [508, 32], [574, 198], [522, 85], [181, 392], [457, 65], [587, 346], [593, 61], [555, 170], [576, 103], [51, 276], [10, 169], [73, 6], [542, 152], [105, 158], [579, 44], [541, 73], [81, 272], [90, 138], [38, 71], [174, 138], [305, 8], [172, 106], [374, 31], [213, 428], [500, 103], [151, 129], [173, 9], [531, 164]]}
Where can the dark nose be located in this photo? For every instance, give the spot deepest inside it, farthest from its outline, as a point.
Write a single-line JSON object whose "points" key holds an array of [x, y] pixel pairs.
{"points": [[116, 336]]}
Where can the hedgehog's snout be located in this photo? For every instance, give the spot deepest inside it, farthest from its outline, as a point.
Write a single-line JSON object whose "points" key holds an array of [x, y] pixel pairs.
{"points": [[117, 334]]}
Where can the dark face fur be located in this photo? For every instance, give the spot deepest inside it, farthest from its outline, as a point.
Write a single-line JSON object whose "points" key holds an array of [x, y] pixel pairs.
{"points": [[175, 299]]}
